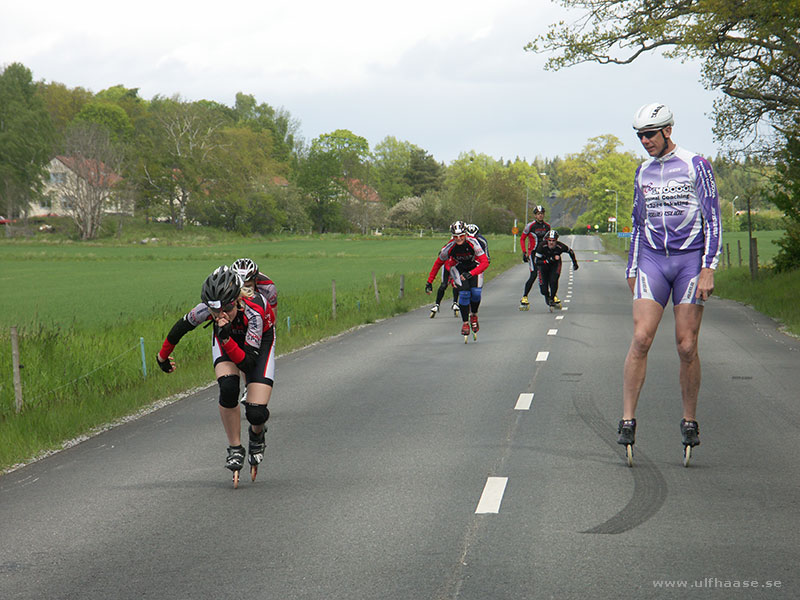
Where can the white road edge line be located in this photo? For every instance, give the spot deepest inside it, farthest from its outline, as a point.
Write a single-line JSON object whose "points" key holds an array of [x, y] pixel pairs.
{"points": [[524, 402], [492, 495]]}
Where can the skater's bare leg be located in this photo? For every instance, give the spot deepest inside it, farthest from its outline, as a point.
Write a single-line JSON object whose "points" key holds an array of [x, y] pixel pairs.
{"points": [[646, 317], [687, 330], [231, 417]]}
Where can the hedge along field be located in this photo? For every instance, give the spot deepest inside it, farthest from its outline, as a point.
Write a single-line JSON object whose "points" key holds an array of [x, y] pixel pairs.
{"points": [[81, 311]]}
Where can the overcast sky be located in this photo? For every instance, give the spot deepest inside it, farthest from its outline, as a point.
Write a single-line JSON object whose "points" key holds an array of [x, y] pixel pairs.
{"points": [[447, 75]]}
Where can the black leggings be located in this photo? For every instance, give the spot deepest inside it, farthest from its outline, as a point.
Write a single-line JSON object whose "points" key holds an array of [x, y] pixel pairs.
{"points": [[548, 280]]}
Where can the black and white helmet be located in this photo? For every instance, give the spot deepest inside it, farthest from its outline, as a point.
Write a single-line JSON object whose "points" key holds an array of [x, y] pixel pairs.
{"points": [[538, 209], [458, 228], [653, 116], [551, 235], [245, 268], [472, 229], [221, 288]]}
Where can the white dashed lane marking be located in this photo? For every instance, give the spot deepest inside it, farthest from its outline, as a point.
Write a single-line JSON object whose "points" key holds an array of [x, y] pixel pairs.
{"points": [[552, 331], [524, 402], [492, 496], [542, 356]]}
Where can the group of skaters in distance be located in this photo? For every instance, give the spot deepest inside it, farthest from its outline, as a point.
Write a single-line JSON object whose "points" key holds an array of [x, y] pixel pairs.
{"points": [[676, 240], [465, 257]]}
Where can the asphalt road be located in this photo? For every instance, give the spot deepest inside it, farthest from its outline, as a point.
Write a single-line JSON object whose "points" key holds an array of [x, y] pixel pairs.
{"points": [[403, 464]]}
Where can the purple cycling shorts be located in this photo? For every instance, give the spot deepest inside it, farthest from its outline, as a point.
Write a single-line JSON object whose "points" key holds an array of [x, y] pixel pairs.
{"points": [[660, 276]]}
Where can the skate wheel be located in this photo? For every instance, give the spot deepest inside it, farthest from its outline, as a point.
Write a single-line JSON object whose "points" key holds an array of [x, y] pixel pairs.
{"points": [[235, 479], [253, 472], [629, 454], [687, 455], [475, 336], [466, 339], [433, 314]]}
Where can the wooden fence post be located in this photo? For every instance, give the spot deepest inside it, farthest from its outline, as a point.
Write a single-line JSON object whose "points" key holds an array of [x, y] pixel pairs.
{"points": [[375, 285], [753, 258], [739, 243], [402, 286], [15, 363], [333, 299]]}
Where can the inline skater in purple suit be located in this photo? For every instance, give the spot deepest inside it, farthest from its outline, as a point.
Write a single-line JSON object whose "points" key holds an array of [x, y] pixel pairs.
{"points": [[675, 246]]}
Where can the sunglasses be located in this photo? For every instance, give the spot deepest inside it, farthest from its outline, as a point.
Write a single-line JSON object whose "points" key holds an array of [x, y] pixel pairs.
{"points": [[226, 308], [647, 134]]}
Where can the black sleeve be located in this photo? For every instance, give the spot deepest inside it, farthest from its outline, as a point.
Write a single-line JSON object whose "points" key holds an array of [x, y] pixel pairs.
{"points": [[180, 329]]}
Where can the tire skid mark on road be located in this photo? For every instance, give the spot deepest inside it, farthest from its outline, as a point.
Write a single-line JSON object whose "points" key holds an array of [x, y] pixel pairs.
{"points": [[649, 485]]}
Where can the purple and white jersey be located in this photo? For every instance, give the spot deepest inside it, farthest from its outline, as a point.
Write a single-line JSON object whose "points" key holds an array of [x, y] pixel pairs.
{"points": [[675, 209]]}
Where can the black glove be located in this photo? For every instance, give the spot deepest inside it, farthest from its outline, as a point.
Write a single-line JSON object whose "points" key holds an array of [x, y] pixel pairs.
{"points": [[465, 275], [428, 287], [575, 266], [524, 257], [168, 366], [224, 332]]}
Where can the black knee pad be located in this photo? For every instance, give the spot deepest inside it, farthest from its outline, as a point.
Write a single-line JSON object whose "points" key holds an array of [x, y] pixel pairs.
{"points": [[256, 414], [228, 391]]}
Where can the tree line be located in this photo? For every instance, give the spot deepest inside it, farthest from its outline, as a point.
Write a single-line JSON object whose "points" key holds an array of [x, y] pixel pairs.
{"points": [[245, 168]]}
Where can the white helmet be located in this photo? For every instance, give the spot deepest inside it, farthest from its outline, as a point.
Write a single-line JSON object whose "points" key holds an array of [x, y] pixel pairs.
{"points": [[245, 268], [458, 228], [472, 229], [653, 116]]}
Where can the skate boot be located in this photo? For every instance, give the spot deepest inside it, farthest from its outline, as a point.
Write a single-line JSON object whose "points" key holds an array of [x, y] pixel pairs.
{"points": [[689, 432], [556, 303], [434, 310], [465, 331], [627, 437], [255, 450], [235, 462], [456, 310], [524, 304], [473, 322]]}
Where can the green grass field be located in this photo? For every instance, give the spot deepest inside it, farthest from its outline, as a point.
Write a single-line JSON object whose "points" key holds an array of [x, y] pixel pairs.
{"points": [[81, 311]]}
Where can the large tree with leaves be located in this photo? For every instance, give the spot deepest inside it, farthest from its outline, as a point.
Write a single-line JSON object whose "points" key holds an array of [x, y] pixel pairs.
{"points": [[750, 50], [26, 139], [180, 165]]}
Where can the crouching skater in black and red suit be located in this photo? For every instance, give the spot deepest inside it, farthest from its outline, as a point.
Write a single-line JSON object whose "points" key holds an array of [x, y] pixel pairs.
{"points": [[244, 342]]}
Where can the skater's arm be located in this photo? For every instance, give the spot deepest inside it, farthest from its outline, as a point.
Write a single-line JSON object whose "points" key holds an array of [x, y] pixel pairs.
{"points": [[483, 263], [571, 253], [437, 264], [183, 326], [266, 287], [244, 358]]}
